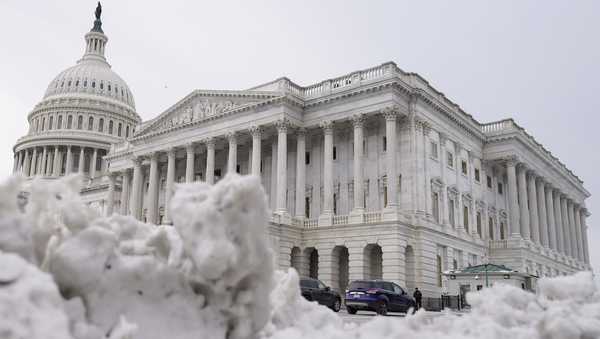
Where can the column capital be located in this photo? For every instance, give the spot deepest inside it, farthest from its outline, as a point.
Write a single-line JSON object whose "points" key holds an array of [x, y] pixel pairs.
{"points": [[69, 147], [189, 147], [301, 132], [152, 155], [231, 137], [137, 160], [282, 125], [426, 127], [209, 142], [532, 174], [255, 130], [511, 160], [391, 113], [358, 120], [171, 151], [327, 126]]}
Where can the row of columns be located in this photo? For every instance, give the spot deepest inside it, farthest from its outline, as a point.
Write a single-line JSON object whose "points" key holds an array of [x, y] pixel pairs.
{"points": [[132, 201], [49, 161], [543, 214]]}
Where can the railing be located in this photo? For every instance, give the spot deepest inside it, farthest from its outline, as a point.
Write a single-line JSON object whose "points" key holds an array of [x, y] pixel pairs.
{"points": [[372, 217], [498, 243], [325, 87], [340, 219], [497, 126], [311, 223]]}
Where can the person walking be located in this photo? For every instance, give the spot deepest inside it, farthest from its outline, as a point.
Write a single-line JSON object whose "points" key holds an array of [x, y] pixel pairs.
{"points": [[418, 296]]}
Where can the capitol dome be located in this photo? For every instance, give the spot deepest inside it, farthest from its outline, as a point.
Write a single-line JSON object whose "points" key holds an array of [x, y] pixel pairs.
{"points": [[92, 75]]}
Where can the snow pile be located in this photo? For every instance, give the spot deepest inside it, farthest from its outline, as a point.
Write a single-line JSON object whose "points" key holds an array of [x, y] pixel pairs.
{"points": [[212, 276]]}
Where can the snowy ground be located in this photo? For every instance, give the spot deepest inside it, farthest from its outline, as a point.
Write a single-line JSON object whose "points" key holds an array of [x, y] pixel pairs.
{"points": [[67, 273]]}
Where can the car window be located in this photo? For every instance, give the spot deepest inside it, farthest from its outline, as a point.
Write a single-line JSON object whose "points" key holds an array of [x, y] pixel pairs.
{"points": [[397, 289], [388, 286], [307, 283], [321, 285], [362, 285]]}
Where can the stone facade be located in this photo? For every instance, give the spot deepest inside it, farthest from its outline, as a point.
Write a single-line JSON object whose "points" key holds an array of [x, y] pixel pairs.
{"points": [[374, 174]]}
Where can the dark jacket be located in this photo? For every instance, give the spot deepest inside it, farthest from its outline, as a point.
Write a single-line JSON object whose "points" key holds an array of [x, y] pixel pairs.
{"points": [[417, 295]]}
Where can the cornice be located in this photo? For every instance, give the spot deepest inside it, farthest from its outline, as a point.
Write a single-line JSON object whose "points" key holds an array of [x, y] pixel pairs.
{"points": [[75, 103]]}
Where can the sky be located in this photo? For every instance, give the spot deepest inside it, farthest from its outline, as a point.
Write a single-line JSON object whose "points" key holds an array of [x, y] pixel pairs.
{"points": [[535, 61]]}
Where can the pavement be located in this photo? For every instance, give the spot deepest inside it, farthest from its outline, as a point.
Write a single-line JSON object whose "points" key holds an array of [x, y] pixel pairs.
{"points": [[362, 317]]}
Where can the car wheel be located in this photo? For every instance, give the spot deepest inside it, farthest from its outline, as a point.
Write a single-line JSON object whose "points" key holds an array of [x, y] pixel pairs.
{"points": [[382, 309], [350, 310], [337, 304]]}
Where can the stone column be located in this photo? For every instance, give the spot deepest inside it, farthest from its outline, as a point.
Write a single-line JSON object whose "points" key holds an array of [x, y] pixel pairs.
{"points": [[34, 162], [153, 189], [256, 133], [513, 203], [16, 162], [170, 189], [534, 219], [42, 166], [110, 199], [27, 163], [20, 161], [543, 217], [189, 163], [578, 233], [560, 245], [550, 208], [56, 163], [210, 160], [586, 254], [232, 152], [572, 231], [358, 122], [444, 189], [136, 194], [564, 223], [282, 127], [524, 211], [301, 173], [93, 164], [69, 162], [125, 193], [391, 116], [81, 166], [327, 213]]}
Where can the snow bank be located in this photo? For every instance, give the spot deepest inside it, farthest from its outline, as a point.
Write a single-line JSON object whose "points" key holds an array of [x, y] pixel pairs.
{"points": [[212, 276]]}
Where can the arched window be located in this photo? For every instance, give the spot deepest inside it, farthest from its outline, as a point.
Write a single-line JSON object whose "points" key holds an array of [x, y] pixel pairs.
{"points": [[70, 122], [80, 122], [101, 125], [127, 131], [43, 123], [90, 123], [101, 85], [93, 84], [36, 125], [50, 121], [119, 129], [110, 127], [59, 125]]}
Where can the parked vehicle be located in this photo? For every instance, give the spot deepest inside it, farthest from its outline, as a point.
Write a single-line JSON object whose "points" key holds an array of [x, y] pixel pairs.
{"points": [[378, 296], [315, 290]]}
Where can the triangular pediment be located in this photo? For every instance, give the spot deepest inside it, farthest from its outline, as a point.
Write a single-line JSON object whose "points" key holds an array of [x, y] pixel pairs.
{"points": [[200, 105]]}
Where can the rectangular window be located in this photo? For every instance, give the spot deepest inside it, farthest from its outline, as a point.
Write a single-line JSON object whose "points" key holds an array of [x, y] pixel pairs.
{"points": [[238, 169], [464, 167], [479, 223], [477, 175], [500, 188], [334, 152], [439, 270], [334, 204], [385, 195], [307, 158], [491, 228], [489, 182], [451, 212], [218, 173], [434, 150], [466, 218], [435, 209], [384, 144], [450, 158]]}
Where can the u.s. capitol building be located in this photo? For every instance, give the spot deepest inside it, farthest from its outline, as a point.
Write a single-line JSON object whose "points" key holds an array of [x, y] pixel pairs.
{"points": [[374, 174]]}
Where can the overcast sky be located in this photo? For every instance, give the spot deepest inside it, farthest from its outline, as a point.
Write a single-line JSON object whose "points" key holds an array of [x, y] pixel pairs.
{"points": [[535, 61]]}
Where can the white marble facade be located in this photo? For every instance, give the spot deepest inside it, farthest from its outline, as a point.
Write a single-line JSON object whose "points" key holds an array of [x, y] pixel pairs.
{"points": [[437, 189]]}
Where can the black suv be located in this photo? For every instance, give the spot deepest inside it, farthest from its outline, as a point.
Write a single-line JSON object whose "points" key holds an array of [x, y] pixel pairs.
{"points": [[315, 290], [378, 296]]}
